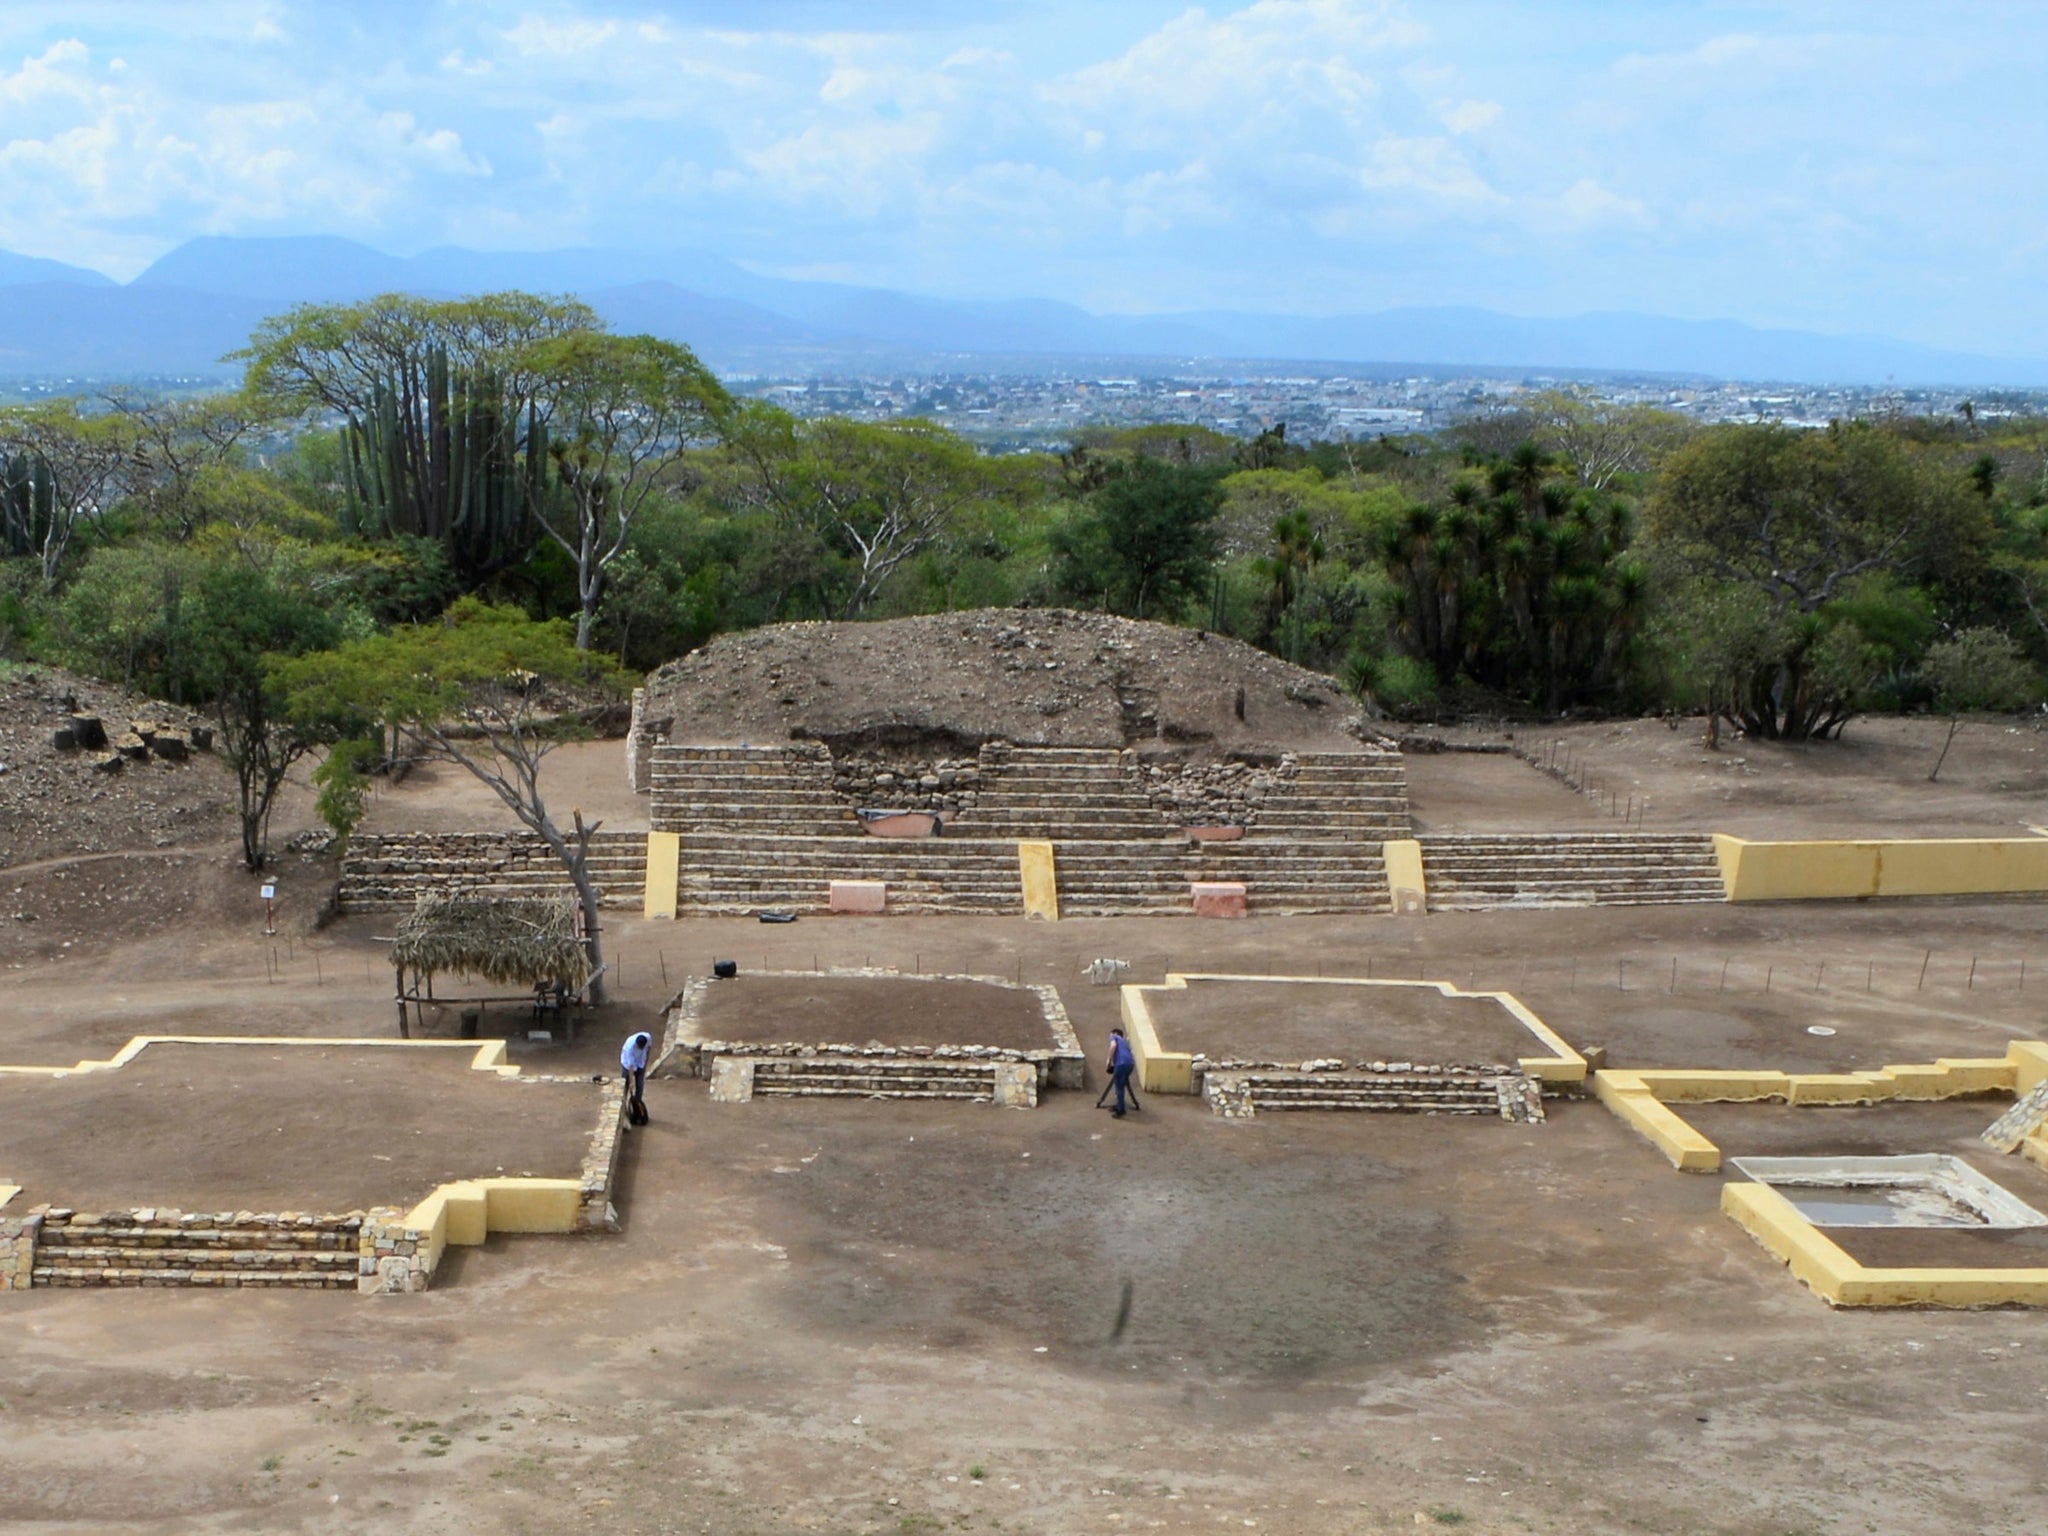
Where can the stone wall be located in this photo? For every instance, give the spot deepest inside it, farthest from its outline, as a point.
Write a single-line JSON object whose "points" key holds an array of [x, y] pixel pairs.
{"points": [[159, 1248], [643, 734], [594, 1212], [1227, 794], [882, 783], [391, 871], [18, 1249]]}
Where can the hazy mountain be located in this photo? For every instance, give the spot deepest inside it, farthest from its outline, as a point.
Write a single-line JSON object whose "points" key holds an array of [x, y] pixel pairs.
{"points": [[34, 269], [199, 302]]}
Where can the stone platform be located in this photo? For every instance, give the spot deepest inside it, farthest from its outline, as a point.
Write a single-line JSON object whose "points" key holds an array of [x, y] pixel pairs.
{"points": [[872, 1034]]}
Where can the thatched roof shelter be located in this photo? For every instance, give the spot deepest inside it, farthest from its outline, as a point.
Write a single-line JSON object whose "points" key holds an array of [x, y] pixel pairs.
{"points": [[522, 943]]}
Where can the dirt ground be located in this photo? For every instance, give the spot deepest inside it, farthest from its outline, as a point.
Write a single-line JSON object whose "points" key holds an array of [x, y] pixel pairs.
{"points": [[267, 1128], [1871, 783], [862, 1010], [1284, 1024], [849, 1317]]}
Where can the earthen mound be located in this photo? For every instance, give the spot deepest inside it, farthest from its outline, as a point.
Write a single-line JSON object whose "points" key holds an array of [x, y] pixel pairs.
{"points": [[130, 773], [1042, 677]]}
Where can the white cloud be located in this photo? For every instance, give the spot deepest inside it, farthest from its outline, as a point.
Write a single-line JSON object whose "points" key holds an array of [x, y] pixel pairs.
{"points": [[1470, 116], [1589, 205]]}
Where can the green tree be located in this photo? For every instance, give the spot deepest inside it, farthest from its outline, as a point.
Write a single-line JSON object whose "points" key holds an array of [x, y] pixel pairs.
{"points": [[874, 496], [1979, 669], [440, 404], [622, 413], [1145, 542], [174, 443], [485, 688], [1799, 518], [60, 466], [235, 619]]}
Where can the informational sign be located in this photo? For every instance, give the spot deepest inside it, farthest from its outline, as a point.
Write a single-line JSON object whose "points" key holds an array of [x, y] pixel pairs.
{"points": [[269, 892]]}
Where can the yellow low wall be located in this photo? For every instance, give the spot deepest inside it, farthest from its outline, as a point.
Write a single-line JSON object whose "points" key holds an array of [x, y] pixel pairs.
{"points": [[1158, 1070], [1821, 871], [1643, 1112], [1035, 868], [1641, 1099], [1173, 1071], [467, 1211], [486, 1057], [664, 874], [1820, 1264], [1407, 885]]}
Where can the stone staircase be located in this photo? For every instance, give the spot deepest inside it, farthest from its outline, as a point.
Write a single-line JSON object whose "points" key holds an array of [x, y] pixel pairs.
{"points": [[762, 828], [150, 1249], [737, 1079], [389, 872], [1468, 873], [1241, 1095], [1362, 795]]}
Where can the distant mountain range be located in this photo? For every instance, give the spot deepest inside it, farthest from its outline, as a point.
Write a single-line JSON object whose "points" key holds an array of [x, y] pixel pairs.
{"points": [[199, 302]]}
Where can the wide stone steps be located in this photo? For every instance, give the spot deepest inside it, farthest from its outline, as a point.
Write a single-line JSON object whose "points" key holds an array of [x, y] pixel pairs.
{"points": [[1244, 1094], [224, 1279], [879, 1081], [1472, 871], [389, 872]]}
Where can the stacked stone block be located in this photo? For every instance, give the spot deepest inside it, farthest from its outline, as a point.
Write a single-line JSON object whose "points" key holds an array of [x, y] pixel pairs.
{"points": [[765, 827], [391, 871], [161, 1248]]}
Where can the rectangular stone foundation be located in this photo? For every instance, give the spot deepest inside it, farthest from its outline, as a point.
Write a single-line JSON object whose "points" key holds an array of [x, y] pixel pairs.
{"points": [[1217, 898]]}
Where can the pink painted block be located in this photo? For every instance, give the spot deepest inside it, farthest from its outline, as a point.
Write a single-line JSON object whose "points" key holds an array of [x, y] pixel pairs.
{"points": [[857, 896], [1218, 898]]}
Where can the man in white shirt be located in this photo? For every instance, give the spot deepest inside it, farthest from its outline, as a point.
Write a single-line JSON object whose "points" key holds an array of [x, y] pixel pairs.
{"points": [[633, 1065]]}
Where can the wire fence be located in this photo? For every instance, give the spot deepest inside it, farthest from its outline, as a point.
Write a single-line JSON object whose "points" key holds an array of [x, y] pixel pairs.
{"points": [[642, 969]]}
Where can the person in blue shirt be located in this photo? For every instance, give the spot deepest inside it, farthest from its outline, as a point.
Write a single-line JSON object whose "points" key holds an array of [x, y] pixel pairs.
{"points": [[633, 1066], [1120, 1063]]}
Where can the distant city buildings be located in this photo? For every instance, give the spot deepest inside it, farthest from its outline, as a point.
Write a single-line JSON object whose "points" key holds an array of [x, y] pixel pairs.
{"points": [[1008, 412], [1011, 412]]}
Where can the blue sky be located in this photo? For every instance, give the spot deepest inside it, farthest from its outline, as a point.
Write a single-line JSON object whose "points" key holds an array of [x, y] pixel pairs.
{"points": [[1839, 167]]}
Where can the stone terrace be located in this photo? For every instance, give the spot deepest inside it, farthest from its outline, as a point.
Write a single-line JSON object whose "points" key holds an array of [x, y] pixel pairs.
{"points": [[1563, 869], [763, 827]]}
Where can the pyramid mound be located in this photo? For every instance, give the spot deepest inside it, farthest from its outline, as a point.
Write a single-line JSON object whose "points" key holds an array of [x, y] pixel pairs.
{"points": [[1034, 676]]}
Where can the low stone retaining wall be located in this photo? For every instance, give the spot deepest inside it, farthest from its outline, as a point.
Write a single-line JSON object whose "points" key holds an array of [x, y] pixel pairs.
{"points": [[391, 871], [162, 1248], [686, 1054]]}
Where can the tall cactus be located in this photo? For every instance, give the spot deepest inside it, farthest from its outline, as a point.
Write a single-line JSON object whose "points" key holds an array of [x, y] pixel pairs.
{"points": [[450, 467], [28, 502]]}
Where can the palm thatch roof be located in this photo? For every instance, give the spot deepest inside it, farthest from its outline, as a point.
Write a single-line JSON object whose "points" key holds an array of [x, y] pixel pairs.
{"points": [[522, 943]]}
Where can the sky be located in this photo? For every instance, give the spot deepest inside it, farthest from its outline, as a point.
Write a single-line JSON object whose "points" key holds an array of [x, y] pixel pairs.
{"points": [[1852, 167]]}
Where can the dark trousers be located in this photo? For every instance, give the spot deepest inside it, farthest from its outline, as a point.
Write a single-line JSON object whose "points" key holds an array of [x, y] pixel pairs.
{"points": [[636, 1083], [1120, 1079]]}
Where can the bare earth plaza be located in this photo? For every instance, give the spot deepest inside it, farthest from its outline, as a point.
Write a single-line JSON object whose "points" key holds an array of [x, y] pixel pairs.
{"points": [[1503, 1161]]}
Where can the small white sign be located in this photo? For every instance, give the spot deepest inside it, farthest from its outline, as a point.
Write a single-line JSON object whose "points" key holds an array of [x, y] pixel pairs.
{"points": [[269, 892]]}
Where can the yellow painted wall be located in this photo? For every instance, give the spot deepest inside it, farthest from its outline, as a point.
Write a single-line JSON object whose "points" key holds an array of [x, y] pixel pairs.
{"points": [[467, 1211], [1822, 1265], [1640, 1109], [1815, 871], [1407, 885], [1159, 1070], [1041, 882], [664, 874]]}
